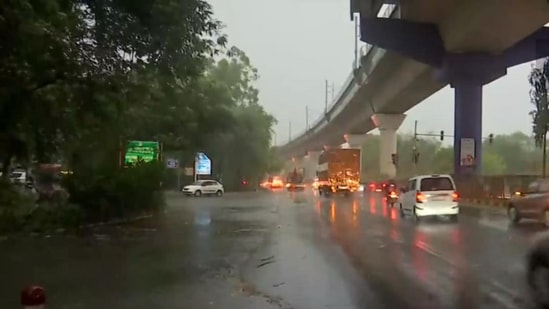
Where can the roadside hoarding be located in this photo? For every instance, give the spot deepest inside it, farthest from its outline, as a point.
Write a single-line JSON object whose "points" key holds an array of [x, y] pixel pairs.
{"points": [[145, 151]]}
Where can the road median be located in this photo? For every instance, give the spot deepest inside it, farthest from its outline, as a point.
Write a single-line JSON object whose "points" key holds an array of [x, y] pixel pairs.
{"points": [[485, 202], [477, 206]]}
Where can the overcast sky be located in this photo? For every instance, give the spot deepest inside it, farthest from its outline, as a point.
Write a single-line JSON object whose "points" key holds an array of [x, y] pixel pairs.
{"points": [[297, 44]]}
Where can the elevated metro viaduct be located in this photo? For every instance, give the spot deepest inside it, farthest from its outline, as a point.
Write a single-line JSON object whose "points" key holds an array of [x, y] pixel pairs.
{"points": [[469, 43], [416, 80]]}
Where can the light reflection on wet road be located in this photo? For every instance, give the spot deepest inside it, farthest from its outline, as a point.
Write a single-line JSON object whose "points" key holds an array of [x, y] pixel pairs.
{"points": [[476, 263], [278, 250]]}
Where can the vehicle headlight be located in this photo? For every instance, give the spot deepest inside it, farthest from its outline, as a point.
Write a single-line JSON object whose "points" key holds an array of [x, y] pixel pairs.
{"points": [[361, 188]]}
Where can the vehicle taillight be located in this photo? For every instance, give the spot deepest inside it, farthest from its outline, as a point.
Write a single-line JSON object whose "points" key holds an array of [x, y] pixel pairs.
{"points": [[372, 185], [384, 185], [420, 198], [455, 197]]}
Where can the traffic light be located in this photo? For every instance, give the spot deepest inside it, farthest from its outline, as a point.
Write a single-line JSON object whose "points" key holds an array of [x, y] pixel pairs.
{"points": [[394, 158], [491, 138], [442, 135]]}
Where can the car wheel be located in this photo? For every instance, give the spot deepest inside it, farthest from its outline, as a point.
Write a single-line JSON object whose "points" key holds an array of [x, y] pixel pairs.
{"points": [[538, 279], [513, 214], [454, 218], [545, 218], [197, 193], [416, 217], [219, 193]]}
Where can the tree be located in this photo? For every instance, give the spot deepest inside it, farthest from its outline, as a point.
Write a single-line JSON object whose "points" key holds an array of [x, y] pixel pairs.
{"points": [[78, 78], [244, 150], [514, 154], [443, 160], [71, 70], [493, 164], [540, 115], [370, 157]]}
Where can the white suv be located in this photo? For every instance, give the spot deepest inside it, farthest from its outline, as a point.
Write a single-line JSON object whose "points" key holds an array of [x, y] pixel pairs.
{"points": [[206, 187], [430, 195]]}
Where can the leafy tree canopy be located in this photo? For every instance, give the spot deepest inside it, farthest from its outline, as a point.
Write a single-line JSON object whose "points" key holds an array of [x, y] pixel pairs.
{"points": [[513, 154], [77, 75]]}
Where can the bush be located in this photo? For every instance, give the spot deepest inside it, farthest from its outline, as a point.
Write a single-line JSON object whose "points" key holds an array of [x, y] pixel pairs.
{"points": [[15, 206], [117, 193], [48, 217]]}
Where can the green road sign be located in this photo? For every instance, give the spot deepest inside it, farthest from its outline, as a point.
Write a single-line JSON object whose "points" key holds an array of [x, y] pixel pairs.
{"points": [[145, 151]]}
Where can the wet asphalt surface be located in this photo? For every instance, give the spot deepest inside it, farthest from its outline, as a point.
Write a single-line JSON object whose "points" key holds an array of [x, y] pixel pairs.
{"points": [[277, 250]]}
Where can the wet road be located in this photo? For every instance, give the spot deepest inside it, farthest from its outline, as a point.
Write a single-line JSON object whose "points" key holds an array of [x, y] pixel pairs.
{"points": [[276, 250]]}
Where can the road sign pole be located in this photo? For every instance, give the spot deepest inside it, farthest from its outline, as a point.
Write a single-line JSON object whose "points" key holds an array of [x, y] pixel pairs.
{"points": [[195, 174], [415, 150]]}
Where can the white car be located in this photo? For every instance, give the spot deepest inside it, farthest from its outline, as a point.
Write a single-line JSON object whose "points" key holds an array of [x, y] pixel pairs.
{"points": [[430, 195], [206, 187]]}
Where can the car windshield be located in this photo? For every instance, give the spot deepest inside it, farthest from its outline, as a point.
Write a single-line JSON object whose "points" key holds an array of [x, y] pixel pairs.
{"points": [[436, 184]]}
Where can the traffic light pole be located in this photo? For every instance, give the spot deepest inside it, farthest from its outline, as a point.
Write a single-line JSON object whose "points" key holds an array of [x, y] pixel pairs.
{"points": [[415, 151]]}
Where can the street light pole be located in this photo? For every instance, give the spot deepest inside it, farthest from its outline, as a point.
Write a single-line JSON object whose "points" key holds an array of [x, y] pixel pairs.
{"points": [[274, 137], [414, 151], [356, 42], [306, 118], [289, 131], [326, 97]]}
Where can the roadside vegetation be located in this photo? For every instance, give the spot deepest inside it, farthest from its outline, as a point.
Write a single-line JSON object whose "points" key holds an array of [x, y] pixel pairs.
{"points": [[80, 78], [512, 154]]}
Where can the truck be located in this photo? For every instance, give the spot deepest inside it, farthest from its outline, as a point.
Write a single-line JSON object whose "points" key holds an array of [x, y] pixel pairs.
{"points": [[295, 180], [339, 171]]}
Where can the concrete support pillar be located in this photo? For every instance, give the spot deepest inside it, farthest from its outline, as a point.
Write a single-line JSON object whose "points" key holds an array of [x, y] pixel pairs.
{"points": [[465, 71], [388, 125], [467, 128], [353, 140]]}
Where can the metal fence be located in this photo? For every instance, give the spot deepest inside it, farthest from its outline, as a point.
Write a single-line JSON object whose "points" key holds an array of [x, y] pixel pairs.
{"points": [[493, 186]]}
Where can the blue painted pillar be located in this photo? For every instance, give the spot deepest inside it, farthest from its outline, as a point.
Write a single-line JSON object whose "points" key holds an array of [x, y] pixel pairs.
{"points": [[467, 128]]}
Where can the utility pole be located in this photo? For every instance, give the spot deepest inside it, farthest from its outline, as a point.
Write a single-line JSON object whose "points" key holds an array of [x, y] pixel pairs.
{"points": [[356, 41], [326, 97], [289, 131], [544, 156], [306, 118], [414, 149]]}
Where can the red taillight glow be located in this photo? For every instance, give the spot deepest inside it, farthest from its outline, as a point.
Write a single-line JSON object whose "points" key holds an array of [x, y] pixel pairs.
{"points": [[372, 185], [455, 197], [420, 198]]}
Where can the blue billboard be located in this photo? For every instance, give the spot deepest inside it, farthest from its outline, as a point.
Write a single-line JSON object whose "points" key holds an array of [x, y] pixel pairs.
{"points": [[202, 164]]}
